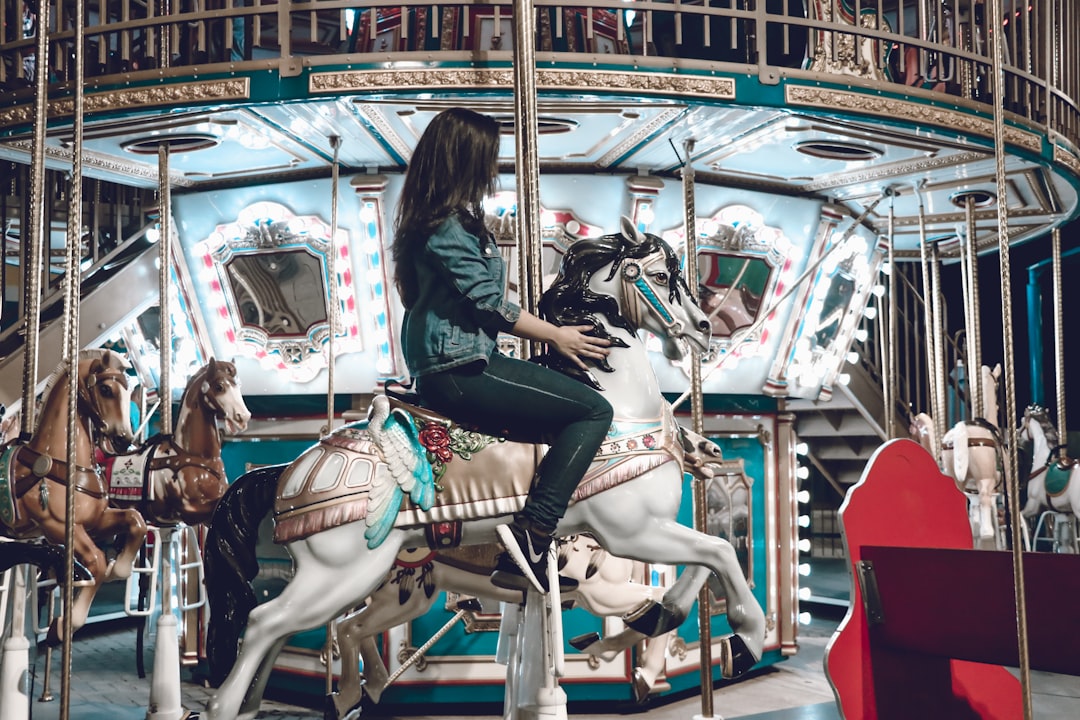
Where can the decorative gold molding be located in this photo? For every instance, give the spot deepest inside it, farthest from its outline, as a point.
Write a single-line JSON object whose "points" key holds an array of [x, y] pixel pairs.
{"points": [[718, 88], [1066, 159], [904, 167], [195, 92], [894, 109], [104, 163]]}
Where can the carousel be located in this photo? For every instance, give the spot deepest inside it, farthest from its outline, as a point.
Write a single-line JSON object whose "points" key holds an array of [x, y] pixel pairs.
{"points": [[206, 416]]}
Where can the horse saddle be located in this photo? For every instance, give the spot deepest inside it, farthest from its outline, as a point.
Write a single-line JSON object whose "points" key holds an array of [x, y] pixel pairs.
{"points": [[1057, 477], [476, 475]]}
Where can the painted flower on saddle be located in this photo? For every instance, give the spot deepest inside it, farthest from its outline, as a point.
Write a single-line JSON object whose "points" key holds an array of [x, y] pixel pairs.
{"points": [[436, 438]]}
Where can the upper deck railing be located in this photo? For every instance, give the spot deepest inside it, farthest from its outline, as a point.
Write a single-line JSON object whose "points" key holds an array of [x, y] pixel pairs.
{"points": [[939, 52]]}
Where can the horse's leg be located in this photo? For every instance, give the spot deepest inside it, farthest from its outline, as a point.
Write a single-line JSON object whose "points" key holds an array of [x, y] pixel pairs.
{"points": [[130, 525], [652, 664], [91, 556], [332, 574], [654, 618], [356, 640], [630, 531]]}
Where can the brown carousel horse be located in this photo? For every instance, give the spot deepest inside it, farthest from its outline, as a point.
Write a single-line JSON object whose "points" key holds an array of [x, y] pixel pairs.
{"points": [[179, 478], [35, 478]]}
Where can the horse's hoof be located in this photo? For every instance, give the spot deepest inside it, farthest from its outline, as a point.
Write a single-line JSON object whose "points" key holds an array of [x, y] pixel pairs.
{"points": [[580, 642], [654, 620], [735, 657], [641, 686]]}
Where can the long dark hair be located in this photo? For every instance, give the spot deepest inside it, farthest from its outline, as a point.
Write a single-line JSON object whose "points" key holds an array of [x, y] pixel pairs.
{"points": [[454, 166]]}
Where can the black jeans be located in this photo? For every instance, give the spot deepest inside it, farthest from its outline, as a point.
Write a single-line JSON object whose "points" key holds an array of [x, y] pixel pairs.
{"points": [[528, 403]]}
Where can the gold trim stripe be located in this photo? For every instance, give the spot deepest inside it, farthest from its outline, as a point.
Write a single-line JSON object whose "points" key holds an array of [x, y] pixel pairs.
{"points": [[718, 88], [1067, 159], [186, 93], [893, 108]]}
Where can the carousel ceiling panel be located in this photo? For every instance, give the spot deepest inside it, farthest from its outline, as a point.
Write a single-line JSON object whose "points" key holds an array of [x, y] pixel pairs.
{"points": [[785, 153]]}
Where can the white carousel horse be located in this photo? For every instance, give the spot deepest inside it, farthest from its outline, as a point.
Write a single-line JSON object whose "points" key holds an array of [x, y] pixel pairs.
{"points": [[605, 588], [347, 506], [37, 478], [1053, 483], [971, 456]]}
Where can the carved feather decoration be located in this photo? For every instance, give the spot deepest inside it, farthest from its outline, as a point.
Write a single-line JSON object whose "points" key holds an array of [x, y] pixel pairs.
{"points": [[406, 471]]}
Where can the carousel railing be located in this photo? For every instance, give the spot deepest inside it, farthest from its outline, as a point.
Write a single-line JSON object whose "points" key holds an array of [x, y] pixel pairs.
{"points": [[938, 51], [915, 373]]}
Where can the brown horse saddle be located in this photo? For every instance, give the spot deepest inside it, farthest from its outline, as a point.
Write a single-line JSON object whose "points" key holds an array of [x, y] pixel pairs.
{"points": [[22, 468], [476, 475]]}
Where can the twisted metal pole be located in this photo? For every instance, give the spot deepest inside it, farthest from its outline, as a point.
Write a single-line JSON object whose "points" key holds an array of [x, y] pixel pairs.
{"points": [[36, 234], [73, 285], [971, 304], [1059, 341], [697, 422], [331, 272], [1013, 475]]}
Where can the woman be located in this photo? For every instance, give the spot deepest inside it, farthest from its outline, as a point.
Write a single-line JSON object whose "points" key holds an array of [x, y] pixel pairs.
{"points": [[451, 279]]}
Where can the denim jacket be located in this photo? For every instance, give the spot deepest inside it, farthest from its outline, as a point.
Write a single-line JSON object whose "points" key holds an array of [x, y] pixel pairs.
{"points": [[462, 307]]}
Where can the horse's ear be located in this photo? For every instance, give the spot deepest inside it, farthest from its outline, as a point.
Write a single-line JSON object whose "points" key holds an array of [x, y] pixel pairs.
{"points": [[212, 365], [630, 231]]}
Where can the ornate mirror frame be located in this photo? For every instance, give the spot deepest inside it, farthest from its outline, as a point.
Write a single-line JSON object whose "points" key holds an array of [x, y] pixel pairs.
{"points": [[270, 238]]}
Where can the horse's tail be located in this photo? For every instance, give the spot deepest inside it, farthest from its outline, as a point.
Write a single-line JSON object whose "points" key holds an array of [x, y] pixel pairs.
{"points": [[231, 564]]}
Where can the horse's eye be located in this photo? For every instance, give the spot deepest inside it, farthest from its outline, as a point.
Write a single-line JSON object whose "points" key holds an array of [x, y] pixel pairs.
{"points": [[106, 391], [661, 278]]}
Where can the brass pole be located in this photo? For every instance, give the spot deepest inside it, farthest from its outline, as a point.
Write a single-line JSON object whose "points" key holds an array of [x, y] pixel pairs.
{"points": [[940, 331], [1059, 341], [164, 298], [697, 422], [527, 161], [72, 287], [971, 305], [1012, 477], [331, 271], [891, 377], [930, 321], [36, 235]]}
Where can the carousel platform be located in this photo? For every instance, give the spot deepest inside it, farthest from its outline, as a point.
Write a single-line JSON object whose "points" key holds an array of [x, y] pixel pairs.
{"points": [[106, 686]]}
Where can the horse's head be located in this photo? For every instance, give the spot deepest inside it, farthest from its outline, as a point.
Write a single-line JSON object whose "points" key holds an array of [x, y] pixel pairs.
{"points": [[218, 389], [632, 280], [105, 397]]}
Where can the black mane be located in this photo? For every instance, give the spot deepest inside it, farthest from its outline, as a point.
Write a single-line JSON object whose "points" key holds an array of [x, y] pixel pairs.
{"points": [[570, 300]]}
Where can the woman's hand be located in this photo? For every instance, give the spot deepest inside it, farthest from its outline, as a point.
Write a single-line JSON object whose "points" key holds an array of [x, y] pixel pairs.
{"points": [[568, 340], [571, 341]]}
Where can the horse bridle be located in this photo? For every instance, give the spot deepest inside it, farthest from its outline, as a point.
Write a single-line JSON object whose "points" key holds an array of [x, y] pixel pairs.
{"points": [[638, 293], [89, 398]]}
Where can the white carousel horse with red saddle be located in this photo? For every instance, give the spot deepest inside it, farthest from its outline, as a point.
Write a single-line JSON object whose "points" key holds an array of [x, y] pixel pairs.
{"points": [[35, 477], [1054, 481], [971, 454], [346, 507]]}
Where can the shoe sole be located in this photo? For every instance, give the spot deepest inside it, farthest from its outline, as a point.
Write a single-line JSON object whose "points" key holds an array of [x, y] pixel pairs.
{"points": [[512, 548]]}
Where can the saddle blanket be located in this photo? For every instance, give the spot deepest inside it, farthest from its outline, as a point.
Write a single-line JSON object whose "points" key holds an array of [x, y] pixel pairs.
{"points": [[127, 475]]}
